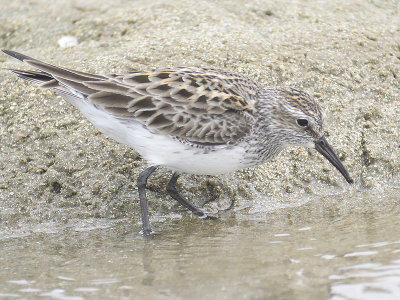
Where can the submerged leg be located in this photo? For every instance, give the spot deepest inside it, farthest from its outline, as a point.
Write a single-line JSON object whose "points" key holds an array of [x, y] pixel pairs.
{"points": [[141, 183], [173, 192]]}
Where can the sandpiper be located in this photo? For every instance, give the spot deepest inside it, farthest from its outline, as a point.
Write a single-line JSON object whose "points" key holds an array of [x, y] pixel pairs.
{"points": [[189, 120]]}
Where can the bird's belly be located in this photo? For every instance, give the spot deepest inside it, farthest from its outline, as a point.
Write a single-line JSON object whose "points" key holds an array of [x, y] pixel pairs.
{"points": [[164, 150], [159, 149], [203, 161]]}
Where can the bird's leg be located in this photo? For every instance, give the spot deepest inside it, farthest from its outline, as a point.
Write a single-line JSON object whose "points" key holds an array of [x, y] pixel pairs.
{"points": [[141, 184], [173, 192]]}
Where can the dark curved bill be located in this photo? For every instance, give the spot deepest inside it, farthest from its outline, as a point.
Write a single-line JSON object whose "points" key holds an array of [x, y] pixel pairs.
{"points": [[323, 147]]}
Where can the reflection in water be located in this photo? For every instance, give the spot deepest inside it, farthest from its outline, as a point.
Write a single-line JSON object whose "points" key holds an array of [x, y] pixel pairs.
{"points": [[326, 248], [369, 281], [148, 270]]}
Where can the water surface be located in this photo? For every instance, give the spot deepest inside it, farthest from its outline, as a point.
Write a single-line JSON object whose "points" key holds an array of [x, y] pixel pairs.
{"points": [[331, 248]]}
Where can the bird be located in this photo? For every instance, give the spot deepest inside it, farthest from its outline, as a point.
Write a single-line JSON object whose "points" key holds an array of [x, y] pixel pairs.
{"points": [[192, 120]]}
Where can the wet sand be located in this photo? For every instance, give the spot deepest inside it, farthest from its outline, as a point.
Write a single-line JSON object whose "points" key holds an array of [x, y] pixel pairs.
{"points": [[347, 54]]}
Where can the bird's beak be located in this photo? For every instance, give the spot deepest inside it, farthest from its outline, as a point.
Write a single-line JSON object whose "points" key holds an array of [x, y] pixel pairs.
{"points": [[323, 147]]}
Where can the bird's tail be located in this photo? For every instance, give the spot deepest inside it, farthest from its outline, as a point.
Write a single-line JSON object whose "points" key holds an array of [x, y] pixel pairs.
{"points": [[61, 80]]}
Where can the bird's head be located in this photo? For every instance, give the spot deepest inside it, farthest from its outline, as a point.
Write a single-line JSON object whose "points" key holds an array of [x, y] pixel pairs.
{"points": [[299, 120]]}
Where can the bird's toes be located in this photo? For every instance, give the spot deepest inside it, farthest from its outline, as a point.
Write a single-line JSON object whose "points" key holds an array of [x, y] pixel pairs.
{"points": [[206, 217]]}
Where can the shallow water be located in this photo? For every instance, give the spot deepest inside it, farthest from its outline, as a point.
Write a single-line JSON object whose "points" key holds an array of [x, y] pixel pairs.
{"points": [[331, 248]]}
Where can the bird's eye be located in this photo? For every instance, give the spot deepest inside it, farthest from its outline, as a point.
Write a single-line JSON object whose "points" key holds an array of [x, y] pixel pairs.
{"points": [[302, 122]]}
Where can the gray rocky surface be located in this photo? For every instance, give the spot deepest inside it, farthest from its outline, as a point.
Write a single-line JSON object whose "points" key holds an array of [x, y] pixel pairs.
{"points": [[55, 166]]}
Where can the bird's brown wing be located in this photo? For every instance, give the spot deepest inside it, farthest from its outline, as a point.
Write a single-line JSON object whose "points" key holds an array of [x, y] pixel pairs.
{"points": [[193, 104]]}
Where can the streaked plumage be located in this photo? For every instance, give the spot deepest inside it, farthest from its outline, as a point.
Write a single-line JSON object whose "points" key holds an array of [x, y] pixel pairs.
{"points": [[194, 120]]}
